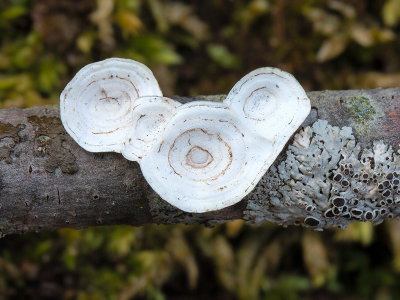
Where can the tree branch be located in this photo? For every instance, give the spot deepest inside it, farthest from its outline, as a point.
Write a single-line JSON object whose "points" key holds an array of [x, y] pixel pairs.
{"points": [[47, 181]]}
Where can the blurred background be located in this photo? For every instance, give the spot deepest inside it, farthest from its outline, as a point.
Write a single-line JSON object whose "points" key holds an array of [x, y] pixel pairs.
{"points": [[200, 47]]}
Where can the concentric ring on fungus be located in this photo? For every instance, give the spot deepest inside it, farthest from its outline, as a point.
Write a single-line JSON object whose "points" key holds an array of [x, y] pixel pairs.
{"points": [[198, 157], [96, 106], [198, 147]]}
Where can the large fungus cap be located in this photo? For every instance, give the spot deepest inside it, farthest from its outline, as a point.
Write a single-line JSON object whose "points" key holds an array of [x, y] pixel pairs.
{"points": [[96, 104], [205, 160]]}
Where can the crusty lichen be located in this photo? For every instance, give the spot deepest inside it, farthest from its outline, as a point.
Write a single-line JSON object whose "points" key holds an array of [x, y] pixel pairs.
{"points": [[49, 138], [363, 112], [9, 136], [9, 130], [361, 109], [327, 180]]}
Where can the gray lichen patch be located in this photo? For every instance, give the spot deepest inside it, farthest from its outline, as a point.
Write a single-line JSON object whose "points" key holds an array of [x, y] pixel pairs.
{"points": [[373, 114], [49, 138], [328, 180]]}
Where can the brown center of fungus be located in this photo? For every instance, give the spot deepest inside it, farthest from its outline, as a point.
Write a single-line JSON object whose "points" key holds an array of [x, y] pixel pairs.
{"points": [[198, 157]]}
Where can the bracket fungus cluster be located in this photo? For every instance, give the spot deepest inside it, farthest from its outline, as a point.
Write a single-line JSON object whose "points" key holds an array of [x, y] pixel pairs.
{"points": [[200, 156]]}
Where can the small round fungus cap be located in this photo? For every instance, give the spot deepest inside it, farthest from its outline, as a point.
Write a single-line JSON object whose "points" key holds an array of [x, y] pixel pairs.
{"points": [[271, 101], [150, 116], [96, 105]]}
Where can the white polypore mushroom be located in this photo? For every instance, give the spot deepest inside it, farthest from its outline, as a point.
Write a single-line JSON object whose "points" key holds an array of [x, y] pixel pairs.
{"points": [[96, 105], [212, 155], [200, 156]]}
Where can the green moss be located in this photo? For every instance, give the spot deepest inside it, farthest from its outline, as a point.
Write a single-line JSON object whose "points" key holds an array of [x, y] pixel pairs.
{"points": [[361, 109]]}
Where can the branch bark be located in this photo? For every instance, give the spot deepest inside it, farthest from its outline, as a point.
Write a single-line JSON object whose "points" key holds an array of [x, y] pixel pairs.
{"points": [[47, 181]]}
